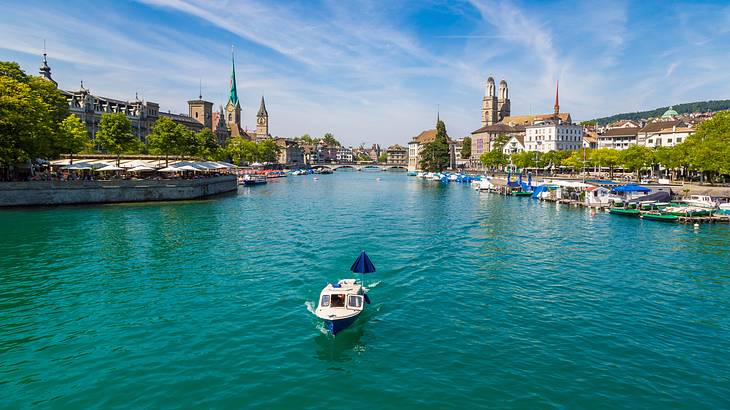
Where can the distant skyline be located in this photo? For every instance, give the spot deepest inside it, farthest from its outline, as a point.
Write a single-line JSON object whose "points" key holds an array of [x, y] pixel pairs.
{"points": [[374, 72]]}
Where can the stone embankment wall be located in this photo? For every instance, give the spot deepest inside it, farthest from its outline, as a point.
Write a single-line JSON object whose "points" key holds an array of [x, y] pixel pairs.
{"points": [[33, 193]]}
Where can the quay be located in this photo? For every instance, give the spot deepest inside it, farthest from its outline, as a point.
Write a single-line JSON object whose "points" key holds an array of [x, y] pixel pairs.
{"points": [[48, 193], [499, 186]]}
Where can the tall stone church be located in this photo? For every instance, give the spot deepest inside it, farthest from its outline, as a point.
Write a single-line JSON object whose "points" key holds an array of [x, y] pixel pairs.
{"points": [[495, 107], [227, 122]]}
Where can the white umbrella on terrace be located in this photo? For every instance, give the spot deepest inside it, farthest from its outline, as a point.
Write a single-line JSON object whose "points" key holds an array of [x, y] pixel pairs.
{"points": [[169, 169], [78, 167], [141, 168], [109, 168], [188, 168]]}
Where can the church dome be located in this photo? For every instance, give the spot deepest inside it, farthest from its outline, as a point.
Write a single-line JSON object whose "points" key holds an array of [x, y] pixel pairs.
{"points": [[490, 80], [670, 113], [503, 82]]}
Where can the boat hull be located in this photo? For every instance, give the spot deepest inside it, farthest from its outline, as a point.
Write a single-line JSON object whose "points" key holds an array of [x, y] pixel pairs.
{"points": [[338, 325], [660, 218], [624, 212]]}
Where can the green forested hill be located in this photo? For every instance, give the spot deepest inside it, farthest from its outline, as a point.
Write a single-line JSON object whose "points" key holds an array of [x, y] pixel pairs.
{"points": [[700, 106]]}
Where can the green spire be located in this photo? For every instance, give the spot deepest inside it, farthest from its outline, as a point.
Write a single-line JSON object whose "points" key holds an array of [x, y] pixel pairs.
{"points": [[233, 97]]}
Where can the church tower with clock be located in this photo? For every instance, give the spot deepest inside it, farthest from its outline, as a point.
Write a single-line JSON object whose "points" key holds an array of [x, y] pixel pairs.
{"points": [[262, 122]]}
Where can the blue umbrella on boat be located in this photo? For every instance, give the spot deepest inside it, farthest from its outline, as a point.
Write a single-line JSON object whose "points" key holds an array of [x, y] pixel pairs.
{"points": [[529, 179], [362, 264]]}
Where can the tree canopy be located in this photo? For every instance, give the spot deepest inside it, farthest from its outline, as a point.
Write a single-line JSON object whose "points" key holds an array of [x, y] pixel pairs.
{"points": [[436, 155], [466, 148], [242, 150], [330, 140], [115, 134], [31, 111], [72, 136]]}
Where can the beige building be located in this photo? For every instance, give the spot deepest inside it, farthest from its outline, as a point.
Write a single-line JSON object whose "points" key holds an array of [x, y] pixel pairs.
{"points": [[397, 155], [416, 144], [289, 152]]}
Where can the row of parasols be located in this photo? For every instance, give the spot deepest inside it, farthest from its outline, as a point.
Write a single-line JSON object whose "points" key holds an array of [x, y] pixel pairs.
{"points": [[140, 166]]}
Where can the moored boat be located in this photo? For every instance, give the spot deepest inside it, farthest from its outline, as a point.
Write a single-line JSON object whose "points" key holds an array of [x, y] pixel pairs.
{"points": [[252, 179], [687, 211], [624, 212], [522, 193], [656, 216]]}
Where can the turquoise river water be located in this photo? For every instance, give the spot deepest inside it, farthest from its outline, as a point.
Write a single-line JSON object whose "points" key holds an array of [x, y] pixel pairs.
{"points": [[479, 300]]}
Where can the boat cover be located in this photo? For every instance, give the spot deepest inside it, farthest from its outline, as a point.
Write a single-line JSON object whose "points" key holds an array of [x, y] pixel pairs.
{"points": [[631, 188], [657, 196]]}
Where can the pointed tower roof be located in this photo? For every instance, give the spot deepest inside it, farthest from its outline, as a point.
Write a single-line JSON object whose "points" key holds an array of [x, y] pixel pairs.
{"points": [[262, 109], [45, 70], [557, 102], [233, 96]]}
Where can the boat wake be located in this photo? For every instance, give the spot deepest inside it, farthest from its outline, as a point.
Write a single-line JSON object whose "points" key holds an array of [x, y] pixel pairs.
{"points": [[372, 285], [310, 306]]}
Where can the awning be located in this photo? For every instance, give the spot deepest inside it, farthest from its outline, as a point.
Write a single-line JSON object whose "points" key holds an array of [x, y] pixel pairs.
{"points": [[631, 188]]}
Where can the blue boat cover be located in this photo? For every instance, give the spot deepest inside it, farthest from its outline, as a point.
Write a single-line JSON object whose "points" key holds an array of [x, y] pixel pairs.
{"points": [[631, 188], [362, 264], [336, 285]]}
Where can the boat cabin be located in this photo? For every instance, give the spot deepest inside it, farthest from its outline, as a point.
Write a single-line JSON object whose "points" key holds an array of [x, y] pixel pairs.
{"points": [[345, 295]]}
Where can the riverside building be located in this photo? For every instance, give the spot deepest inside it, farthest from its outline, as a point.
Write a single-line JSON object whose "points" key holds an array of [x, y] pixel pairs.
{"points": [[143, 114]]}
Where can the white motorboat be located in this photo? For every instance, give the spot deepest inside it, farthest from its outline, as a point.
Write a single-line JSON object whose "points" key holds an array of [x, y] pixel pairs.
{"points": [[702, 201], [340, 304]]}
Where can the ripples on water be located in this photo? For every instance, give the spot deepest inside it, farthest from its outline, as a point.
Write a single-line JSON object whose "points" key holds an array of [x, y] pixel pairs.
{"points": [[478, 299]]}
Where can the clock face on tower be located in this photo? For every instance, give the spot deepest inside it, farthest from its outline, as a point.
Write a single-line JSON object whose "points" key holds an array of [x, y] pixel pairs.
{"points": [[261, 120]]}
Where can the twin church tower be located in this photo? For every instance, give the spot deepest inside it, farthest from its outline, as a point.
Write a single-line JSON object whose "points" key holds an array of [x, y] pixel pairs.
{"points": [[495, 107], [229, 119]]}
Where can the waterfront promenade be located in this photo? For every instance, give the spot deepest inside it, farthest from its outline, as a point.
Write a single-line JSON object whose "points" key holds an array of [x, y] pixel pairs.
{"points": [[44, 193]]}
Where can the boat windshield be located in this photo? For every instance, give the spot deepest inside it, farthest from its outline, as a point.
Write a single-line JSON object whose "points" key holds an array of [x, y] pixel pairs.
{"points": [[325, 300], [338, 300], [355, 301]]}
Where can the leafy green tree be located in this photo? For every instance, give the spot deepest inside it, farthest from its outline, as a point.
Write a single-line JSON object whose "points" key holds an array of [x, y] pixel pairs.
{"points": [[306, 139], [31, 110], [115, 134], [363, 157], [577, 159], [242, 150], [209, 148], [494, 159], [523, 159], [466, 148], [500, 142], [191, 143], [72, 137], [330, 140], [383, 158], [268, 151], [436, 155], [605, 157], [165, 138], [709, 147], [636, 157]]}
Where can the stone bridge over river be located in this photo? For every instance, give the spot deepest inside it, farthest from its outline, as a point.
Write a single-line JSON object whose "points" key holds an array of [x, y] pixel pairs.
{"points": [[363, 167]]}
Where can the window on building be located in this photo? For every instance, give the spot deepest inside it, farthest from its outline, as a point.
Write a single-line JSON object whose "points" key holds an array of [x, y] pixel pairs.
{"points": [[679, 140]]}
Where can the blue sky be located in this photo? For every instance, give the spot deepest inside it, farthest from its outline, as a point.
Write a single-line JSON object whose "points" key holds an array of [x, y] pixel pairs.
{"points": [[375, 72]]}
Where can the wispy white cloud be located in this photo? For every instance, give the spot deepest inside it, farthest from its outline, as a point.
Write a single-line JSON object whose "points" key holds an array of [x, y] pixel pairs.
{"points": [[375, 71]]}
